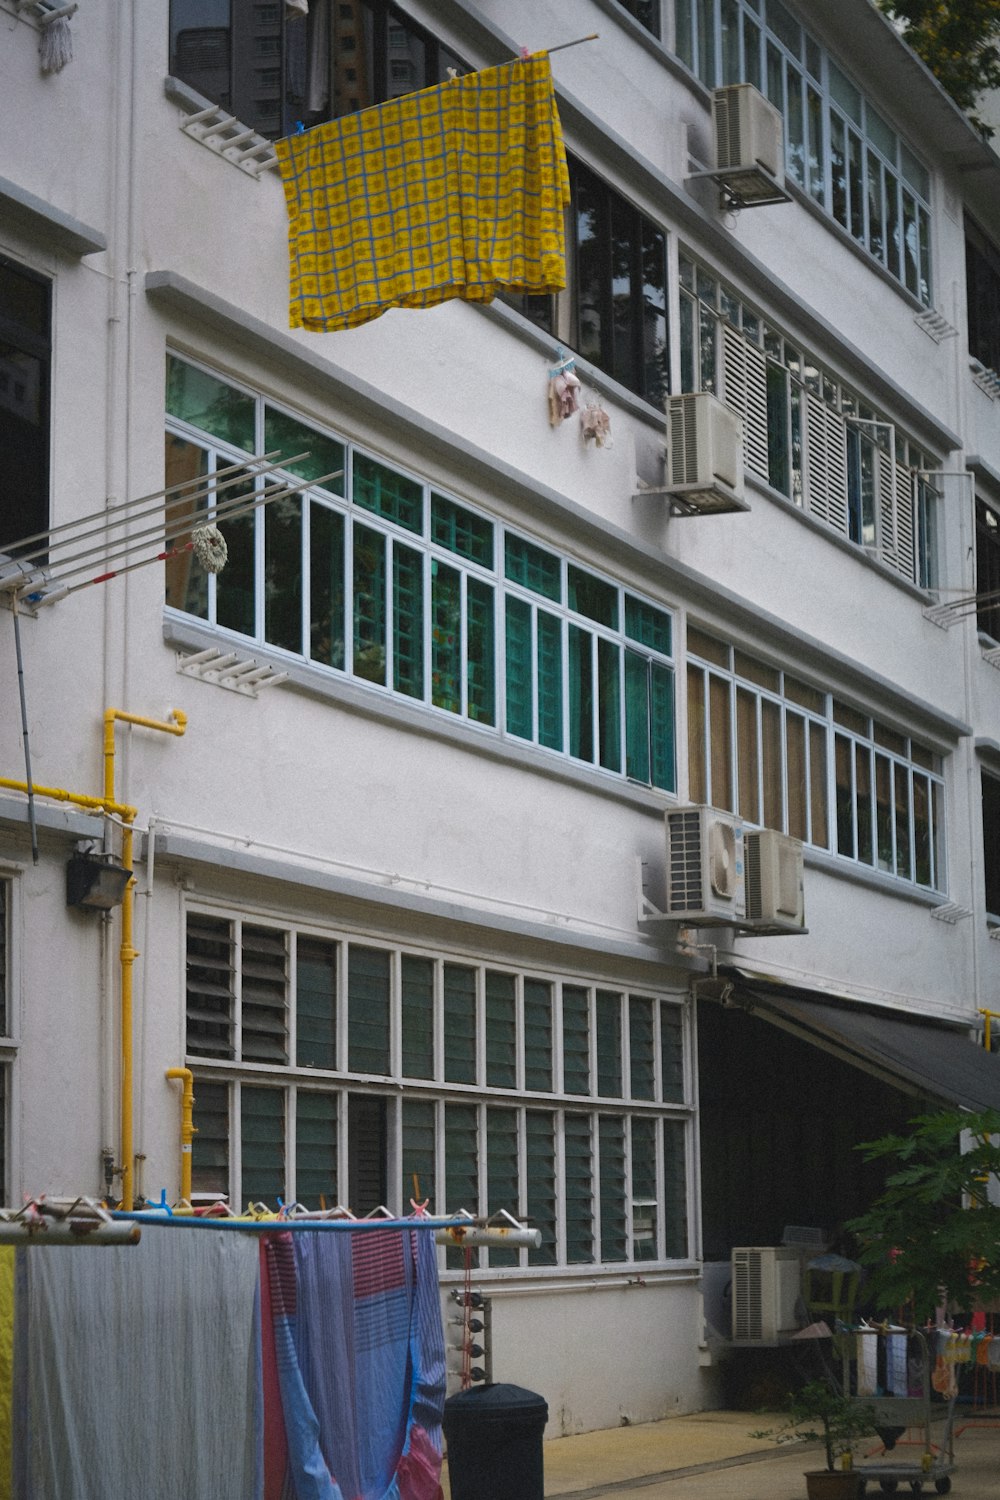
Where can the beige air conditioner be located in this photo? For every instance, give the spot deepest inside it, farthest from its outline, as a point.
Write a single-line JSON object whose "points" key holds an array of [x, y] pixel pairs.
{"points": [[704, 456], [705, 871], [774, 902], [766, 1282], [749, 147]]}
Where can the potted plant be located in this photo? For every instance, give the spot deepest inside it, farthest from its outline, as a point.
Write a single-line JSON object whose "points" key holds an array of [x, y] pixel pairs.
{"points": [[819, 1412]]}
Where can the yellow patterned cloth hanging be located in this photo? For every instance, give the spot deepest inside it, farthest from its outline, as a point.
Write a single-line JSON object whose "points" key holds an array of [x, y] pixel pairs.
{"points": [[453, 191]]}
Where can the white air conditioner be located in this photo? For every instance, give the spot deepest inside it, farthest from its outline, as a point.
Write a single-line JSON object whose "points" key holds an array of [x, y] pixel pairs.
{"points": [[774, 902], [766, 1282], [705, 877], [749, 146], [704, 455]]}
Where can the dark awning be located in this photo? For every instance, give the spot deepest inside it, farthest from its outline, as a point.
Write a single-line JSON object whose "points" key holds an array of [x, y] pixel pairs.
{"points": [[936, 1059]]}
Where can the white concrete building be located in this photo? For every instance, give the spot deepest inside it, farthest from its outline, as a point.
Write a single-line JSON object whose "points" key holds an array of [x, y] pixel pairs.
{"points": [[397, 882]]}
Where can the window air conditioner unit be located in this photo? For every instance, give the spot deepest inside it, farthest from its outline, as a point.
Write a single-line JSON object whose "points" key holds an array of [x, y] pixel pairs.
{"points": [[774, 902], [749, 147], [766, 1281], [704, 456], [705, 875]]}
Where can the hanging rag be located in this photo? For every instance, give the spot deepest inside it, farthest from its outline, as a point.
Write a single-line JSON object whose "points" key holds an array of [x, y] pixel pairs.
{"points": [[897, 1378], [455, 191], [360, 1364], [139, 1363], [867, 1355], [55, 45]]}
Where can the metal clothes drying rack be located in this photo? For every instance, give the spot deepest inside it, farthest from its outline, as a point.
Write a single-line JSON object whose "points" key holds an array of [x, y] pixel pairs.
{"points": [[915, 1410]]}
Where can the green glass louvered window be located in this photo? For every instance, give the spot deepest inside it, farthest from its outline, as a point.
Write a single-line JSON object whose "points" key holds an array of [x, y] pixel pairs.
{"points": [[675, 1189], [262, 1145], [210, 983], [502, 1173], [461, 1182], [611, 1144], [609, 1044], [578, 1188], [418, 1156], [672, 1052], [640, 1045], [264, 994], [644, 1198], [316, 1149], [417, 1004], [540, 1185], [459, 1024], [367, 1010], [537, 1034], [501, 1029], [210, 1147], [315, 1003], [576, 1039]]}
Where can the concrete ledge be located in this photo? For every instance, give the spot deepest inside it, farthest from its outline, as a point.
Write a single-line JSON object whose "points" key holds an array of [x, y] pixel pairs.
{"points": [[48, 222]]}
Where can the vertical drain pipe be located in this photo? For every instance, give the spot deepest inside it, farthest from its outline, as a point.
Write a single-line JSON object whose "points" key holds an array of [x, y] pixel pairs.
{"points": [[187, 1127]]}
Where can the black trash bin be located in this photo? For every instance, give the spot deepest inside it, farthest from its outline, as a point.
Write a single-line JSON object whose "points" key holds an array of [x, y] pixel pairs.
{"points": [[494, 1436]]}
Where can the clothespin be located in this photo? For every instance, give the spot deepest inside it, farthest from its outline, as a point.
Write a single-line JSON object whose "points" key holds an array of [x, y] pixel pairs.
{"points": [[565, 362], [525, 53]]}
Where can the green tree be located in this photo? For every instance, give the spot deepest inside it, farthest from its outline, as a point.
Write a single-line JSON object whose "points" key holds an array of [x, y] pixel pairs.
{"points": [[934, 1227], [959, 40]]}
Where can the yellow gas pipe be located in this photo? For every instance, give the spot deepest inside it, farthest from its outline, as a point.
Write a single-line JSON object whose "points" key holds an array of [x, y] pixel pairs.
{"points": [[128, 954], [188, 1131]]}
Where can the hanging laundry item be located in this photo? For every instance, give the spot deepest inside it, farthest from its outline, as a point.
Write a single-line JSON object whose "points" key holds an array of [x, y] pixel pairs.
{"points": [[366, 1424], [137, 1369], [455, 191]]}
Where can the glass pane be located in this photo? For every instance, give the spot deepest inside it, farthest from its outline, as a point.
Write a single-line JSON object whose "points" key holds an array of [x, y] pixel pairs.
{"points": [[459, 1024], [648, 625], [537, 1034], [672, 1052], [262, 1146], [579, 1190], [186, 581], [540, 1186], [770, 725], [458, 529], [581, 693], [697, 750], [904, 842], [287, 436], [838, 170], [502, 1174], [418, 1158], [883, 813], [845, 797], [315, 1003], [644, 1199], [662, 726], [609, 1044], [446, 637], [417, 1005], [637, 717], [863, 795], [796, 777], [640, 1042], [206, 402], [316, 1149], [519, 675], [819, 830], [481, 650], [368, 1010], [592, 597], [844, 92], [611, 1138], [626, 306], [234, 587], [576, 1040], [590, 245], [408, 621], [501, 1030], [326, 586], [925, 830], [675, 1189], [388, 493], [795, 146], [748, 756], [609, 705], [369, 604], [778, 433], [721, 743], [210, 986], [283, 572], [210, 1147], [656, 353], [532, 567], [876, 239], [550, 680]]}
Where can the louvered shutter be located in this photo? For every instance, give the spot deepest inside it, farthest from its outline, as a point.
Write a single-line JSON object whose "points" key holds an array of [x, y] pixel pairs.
{"points": [[744, 388], [825, 463], [895, 507]]}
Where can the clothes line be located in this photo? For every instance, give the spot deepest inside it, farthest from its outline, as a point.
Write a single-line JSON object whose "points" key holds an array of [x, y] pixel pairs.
{"points": [[455, 1230]]}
